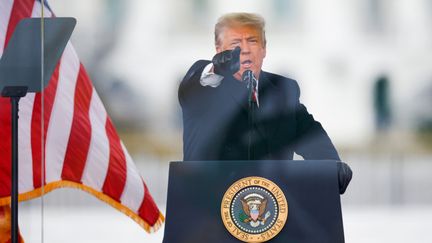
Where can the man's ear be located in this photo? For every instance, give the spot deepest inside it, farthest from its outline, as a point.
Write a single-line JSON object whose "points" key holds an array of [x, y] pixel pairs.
{"points": [[218, 49]]}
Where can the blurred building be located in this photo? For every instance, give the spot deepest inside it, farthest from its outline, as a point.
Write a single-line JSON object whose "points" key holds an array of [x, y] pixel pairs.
{"points": [[336, 50]]}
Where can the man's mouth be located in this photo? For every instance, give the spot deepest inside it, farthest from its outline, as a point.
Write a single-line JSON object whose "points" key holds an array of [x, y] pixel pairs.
{"points": [[246, 64]]}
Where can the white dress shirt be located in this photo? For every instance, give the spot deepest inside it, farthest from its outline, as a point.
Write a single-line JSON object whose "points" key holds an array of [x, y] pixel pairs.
{"points": [[209, 78]]}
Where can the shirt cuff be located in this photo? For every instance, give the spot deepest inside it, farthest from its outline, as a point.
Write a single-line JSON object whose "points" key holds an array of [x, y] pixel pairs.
{"points": [[209, 78]]}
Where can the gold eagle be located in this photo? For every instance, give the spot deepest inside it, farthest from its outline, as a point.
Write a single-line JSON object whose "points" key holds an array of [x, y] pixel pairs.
{"points": [[261, 209]]}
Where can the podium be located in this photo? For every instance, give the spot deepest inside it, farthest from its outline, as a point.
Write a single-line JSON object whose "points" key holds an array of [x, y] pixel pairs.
{"points": [[200, 193]]}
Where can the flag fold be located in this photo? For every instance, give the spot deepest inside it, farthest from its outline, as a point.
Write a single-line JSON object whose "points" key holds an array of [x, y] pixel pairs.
{"points": [[66, 138]]}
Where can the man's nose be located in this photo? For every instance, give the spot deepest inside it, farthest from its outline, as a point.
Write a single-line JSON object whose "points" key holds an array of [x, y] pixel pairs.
{"points": [[245, 48]]}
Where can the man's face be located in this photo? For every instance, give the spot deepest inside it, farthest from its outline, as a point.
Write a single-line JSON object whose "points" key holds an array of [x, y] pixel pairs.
{"points": [[252, 47]]}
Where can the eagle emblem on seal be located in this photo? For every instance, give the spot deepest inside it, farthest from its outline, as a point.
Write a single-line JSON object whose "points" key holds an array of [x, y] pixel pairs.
{"points": [[254, 207]]}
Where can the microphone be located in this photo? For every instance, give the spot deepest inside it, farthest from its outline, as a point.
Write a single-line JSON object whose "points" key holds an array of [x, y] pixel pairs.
{"points": [[251, 83], [248, 78]]}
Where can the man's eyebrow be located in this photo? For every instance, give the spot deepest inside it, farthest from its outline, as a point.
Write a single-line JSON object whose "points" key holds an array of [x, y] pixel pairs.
{"points": [[247, 38]]}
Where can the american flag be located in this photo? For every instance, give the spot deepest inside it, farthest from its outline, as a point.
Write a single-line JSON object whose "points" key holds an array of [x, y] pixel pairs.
{"points": [[69, 122]]}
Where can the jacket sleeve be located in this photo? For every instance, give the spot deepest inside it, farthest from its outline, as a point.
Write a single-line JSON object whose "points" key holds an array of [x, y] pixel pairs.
{"points": [[311, 140], [190, 83]]}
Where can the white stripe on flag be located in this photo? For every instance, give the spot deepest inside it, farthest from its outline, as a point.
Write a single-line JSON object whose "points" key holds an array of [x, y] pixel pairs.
{"points": [[5, 12], [25, 160], [62, 114], [96, 166], [133, 193]]}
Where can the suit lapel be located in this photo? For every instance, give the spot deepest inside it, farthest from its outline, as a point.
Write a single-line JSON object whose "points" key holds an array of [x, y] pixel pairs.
{"points": [[267, 115]]}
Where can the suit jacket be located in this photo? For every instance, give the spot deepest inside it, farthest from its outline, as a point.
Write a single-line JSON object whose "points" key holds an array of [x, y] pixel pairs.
{"points": [[216, 121]]}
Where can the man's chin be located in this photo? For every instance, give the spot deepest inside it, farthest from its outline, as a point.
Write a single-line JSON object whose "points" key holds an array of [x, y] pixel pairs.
{"points": [[238, 75]]}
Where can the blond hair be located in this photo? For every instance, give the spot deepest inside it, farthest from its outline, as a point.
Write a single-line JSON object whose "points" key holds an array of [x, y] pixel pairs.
{"points": [[239, 19]]}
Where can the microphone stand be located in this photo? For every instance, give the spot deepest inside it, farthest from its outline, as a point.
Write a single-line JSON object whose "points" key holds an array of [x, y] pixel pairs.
{"points": [[15, 93], [251, 82]]}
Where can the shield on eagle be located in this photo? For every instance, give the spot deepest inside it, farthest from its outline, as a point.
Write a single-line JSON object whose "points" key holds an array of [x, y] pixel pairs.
{"points": [[254, 206]]}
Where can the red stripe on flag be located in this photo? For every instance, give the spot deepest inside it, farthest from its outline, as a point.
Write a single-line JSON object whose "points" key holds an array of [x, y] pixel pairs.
{"points": [[116, 176], [5, 147], [20, 9], [80, 135], [148, 210], [36, 133]]}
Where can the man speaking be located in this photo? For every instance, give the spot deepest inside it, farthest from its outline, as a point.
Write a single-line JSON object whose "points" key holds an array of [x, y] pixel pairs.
{"points": [[233, 110]]}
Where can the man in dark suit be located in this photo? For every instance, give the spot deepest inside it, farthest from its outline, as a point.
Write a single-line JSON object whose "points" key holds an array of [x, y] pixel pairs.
{"points": [[224, 120]]}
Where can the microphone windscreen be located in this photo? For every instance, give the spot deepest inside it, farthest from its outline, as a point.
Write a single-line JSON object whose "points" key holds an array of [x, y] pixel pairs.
{"points": [[247, 75]]}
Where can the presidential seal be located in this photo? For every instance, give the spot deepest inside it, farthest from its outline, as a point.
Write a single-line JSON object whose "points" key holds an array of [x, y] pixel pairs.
{"points": [[254, 209]]}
